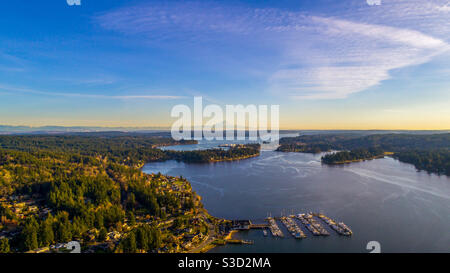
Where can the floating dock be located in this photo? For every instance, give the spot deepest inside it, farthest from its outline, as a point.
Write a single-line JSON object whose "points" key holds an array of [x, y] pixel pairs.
{"points": [[293, 228], [311, 221], [312, 224], [307, 224], [274, 229], [339, 227]]}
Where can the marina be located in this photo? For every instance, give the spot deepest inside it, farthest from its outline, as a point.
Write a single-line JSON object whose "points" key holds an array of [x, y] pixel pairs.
{"points": [[310, 221], [339, 227], [313, 225], [274, 229], [293, 228], [229, 196], [307, 224]]}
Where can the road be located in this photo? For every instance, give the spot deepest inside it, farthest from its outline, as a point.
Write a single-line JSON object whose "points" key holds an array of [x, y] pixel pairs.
{"points": [[209, 238]]}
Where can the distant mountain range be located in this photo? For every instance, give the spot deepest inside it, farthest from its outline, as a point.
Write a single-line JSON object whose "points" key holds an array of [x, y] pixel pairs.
{"points": [[9, 129]]}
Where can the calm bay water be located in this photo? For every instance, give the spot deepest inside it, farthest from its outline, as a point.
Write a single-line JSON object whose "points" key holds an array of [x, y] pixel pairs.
{"points": [[381, 200]]}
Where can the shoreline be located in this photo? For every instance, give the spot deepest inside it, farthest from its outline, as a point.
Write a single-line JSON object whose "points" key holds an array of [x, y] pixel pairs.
{"points": [[352, 161], [230, 234], [212, 245], [233, 159]]}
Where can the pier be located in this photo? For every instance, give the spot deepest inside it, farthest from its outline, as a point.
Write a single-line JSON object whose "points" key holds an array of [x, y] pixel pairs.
{"points": [[339, 227], [293, 228], [311, 221], [261, 226], [312, 224], [274, 229], [247, 224]]}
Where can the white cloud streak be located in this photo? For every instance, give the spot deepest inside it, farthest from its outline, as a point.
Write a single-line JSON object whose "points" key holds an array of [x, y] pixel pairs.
{"points": [[363, 56], [320, 57], [87, 96]]}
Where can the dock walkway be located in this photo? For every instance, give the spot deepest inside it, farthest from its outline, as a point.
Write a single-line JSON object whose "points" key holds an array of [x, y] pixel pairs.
{"points": [[293, 228], [339, 227], [274, 229]]}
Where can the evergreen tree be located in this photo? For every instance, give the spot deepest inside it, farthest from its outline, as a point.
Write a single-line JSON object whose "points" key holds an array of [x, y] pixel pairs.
{"points": [[46, 235], [29, 234], [63, 228], [131, 218], [4, 245], [131, 201], [142, 238], [102, 235], [99, 220], [129, 244]]}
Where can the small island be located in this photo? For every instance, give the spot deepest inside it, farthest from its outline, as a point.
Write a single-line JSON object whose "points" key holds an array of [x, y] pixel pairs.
{"points": [[356, 155], [304, 148], [235, 152]]}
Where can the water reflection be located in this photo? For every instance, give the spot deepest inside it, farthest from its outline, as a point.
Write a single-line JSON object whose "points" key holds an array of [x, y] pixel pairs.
{"points": [[383, 200]]}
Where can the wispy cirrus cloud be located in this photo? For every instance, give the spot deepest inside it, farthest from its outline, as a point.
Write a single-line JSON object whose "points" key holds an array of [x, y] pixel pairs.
{"points": [[100, 80], [11, 63], [13, 89], [360, 56], [316, 57]]}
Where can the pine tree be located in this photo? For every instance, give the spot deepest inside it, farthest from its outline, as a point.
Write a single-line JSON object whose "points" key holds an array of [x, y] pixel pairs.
{"points": [[47, 236], [29, 234], [4, 245], [99, 222], [131, 218], [102, 235], [130, 244]]}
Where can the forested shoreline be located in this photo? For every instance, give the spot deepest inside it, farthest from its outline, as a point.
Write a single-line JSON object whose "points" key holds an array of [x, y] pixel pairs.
{"points": [[352, 156], [55, 189], [428, 152], [131, 150]]}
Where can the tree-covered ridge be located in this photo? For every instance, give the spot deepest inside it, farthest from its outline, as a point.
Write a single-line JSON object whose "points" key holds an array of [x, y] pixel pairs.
{"points": [[434, 161], [388, 142], [214, 155], [352, 156], [131, 150], [430, 152], [301, 147], [83, 200], [91, 189]]}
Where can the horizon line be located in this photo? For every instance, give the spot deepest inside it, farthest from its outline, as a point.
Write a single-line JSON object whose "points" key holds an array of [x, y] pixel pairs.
{"points": [[169, 128]]}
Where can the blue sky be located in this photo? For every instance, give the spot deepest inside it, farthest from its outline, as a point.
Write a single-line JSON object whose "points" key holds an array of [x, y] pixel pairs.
{"points": [[328, 64]]}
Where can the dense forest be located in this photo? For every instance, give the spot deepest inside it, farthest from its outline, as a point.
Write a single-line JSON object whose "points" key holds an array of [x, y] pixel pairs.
{"points": [[83, 194], [132, 150], [217, 154], [430, 152], [434, 161], [87, 188], [352, 156], [313, 148]]}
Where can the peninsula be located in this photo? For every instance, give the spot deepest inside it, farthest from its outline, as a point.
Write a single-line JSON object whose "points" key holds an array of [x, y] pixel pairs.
{"points": [[89, 188]]}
